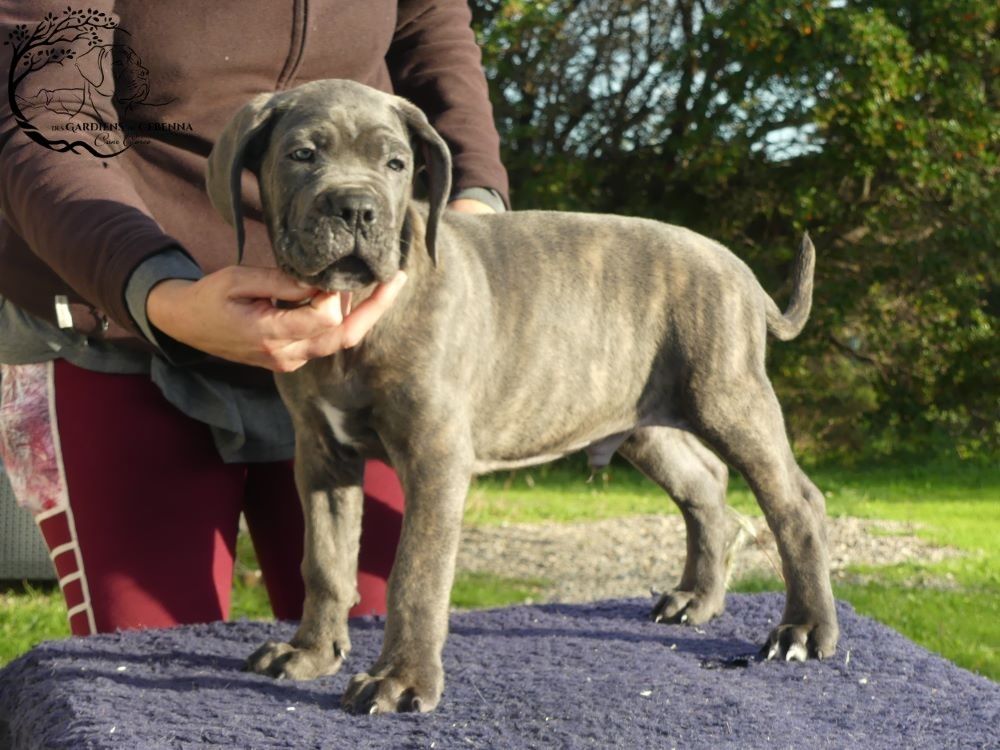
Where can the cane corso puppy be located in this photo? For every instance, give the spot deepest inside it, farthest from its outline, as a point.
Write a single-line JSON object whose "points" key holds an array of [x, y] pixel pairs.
{"points": [[518, 338]]}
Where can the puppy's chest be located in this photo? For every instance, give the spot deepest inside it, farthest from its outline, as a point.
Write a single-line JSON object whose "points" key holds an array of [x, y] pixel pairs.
{"points": [[351, 428]]}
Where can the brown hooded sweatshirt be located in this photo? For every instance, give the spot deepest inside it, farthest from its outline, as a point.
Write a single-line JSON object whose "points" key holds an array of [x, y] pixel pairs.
{"points": [[110, 108]]}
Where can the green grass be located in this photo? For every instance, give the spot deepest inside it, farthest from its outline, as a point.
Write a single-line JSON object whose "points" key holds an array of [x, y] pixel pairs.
{"points": [[959, 624], [564, 491], [955, 621], [951, 607], [249, 597], [482, 590], [32, 613], [29, 615]]}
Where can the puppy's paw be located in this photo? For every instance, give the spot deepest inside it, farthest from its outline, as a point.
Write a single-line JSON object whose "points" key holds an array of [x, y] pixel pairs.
{"points": [[790, 642], [285, 661], [688, 607], [396, 691]]}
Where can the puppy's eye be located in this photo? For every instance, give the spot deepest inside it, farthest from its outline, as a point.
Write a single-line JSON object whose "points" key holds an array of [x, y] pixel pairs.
{"points": [[396, 165], [302, 154]]}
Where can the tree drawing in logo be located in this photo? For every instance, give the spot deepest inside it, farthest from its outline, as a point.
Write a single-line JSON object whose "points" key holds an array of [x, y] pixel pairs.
{"points": [[85, 84]]}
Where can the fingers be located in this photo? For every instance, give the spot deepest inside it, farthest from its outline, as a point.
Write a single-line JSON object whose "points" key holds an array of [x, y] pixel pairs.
{"points": [[329, 310], [470, 206], [231, 314], [357, 323], [250, 282], [330, 306], [361, 318]]}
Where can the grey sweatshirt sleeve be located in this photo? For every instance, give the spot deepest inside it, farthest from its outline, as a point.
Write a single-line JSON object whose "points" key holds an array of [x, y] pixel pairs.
{"points": [[168, 264]]}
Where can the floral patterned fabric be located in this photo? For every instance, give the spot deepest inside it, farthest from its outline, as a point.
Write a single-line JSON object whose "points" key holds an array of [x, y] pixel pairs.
{"points": [[28, 443]]}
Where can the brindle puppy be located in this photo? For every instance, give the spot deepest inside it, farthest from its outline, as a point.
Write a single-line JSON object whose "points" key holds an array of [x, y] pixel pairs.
{"points": [[518, 338]]}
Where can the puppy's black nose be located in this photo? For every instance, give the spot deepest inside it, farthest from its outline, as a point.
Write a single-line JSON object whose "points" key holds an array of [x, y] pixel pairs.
{"points": [[356, 209]]}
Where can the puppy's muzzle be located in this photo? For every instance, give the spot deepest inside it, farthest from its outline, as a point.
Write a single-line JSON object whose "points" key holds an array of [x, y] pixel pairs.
{"points": [[356, 209], [342, 242]]}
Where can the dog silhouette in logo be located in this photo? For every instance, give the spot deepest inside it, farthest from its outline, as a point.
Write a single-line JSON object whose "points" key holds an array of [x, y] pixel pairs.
{"points": [[105, 79]]}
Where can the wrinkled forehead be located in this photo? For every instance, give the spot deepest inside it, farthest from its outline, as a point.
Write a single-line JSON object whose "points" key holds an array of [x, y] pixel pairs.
{"points": [[341, 119]]}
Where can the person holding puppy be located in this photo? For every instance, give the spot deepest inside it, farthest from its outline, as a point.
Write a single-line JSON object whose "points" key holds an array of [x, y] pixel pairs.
{"points": [[138, 416]]}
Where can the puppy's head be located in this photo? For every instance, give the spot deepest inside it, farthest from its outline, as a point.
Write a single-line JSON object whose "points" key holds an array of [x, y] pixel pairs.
{"points": [[335, 163]]}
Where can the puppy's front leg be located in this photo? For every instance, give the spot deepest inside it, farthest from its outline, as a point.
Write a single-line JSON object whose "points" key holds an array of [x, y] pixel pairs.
{"points": [[332, 498], [408, 675]]}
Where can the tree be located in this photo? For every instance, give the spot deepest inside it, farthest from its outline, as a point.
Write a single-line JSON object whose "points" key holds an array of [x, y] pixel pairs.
{"points": [[874, 125], [54, 41]]}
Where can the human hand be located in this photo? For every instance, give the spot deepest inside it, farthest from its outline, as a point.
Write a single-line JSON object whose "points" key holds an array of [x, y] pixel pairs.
{"points": [[231, 314], [470, 206]]}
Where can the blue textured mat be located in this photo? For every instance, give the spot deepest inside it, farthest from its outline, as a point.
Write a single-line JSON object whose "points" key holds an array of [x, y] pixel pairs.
{"points": [[550, 676]]}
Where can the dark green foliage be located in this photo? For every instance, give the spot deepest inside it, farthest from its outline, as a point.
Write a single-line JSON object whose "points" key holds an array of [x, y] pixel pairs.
{"points": [[873, 125]]}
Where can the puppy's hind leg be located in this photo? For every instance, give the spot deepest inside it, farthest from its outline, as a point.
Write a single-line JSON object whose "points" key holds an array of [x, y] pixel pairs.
{"points": [[696, 480], [743, 421]]}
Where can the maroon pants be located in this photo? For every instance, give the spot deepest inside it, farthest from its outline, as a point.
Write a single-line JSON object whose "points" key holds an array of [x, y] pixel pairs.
{"points": [[154, 513]]}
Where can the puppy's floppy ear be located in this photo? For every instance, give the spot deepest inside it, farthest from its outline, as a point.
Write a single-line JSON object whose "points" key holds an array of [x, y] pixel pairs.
{"points": [[241, 144], [438, 160]]}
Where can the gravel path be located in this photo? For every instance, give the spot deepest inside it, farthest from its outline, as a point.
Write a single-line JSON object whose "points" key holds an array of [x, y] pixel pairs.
{"points": [[625, 557]]}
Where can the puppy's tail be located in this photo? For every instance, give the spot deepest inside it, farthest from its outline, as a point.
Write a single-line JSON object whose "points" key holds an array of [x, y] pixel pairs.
{"points": [[786, 326]]}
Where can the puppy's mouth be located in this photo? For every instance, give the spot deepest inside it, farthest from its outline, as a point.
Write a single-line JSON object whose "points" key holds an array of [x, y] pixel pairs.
{"points": [[349, 273]]}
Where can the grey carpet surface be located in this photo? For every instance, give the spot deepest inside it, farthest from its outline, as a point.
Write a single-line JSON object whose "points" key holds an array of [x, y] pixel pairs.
{"points": [[549, 676]]}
